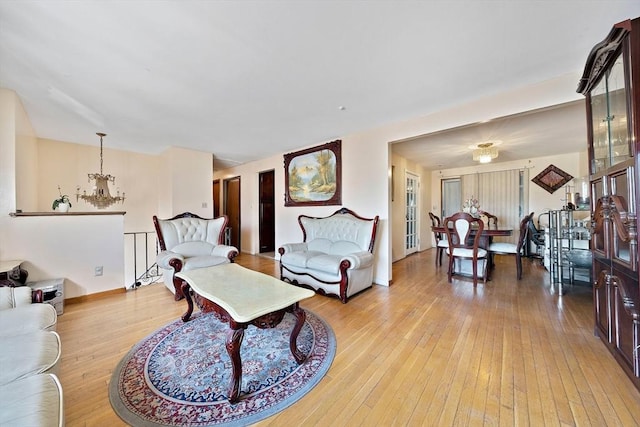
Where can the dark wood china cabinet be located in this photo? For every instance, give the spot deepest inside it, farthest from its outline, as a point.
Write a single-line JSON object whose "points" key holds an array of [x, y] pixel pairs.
{"points": [[611, 84]]}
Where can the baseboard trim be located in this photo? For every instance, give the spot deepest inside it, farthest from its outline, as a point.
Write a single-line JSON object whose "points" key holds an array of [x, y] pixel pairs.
{"points": [[91, 297]]}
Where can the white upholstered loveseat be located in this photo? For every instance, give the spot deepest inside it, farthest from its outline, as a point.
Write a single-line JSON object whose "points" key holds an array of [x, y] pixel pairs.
{"points": [[335, 257], [187, 242], [30, 392]]}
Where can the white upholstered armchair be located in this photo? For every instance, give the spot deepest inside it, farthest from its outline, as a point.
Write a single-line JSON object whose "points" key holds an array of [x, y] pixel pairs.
{"points": [[187, 242], [335, 257]]}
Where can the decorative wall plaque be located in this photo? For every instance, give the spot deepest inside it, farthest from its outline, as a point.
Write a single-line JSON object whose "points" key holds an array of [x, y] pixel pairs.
{"points": [[552, 178]]}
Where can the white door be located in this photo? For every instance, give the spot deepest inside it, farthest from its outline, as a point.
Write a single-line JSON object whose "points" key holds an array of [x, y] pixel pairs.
{"points": [[412, 214]]}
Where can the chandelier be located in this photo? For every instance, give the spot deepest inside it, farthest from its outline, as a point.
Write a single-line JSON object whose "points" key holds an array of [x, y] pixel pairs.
{"points": [[485, 152], [100, 198]]}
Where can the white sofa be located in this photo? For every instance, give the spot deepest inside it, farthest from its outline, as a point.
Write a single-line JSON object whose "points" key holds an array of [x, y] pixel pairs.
{"points": [[30, 391], [335, 257], [18, 314], [187, 242]]}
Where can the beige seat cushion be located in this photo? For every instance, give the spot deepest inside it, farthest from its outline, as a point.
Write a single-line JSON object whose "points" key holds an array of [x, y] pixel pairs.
{"points": [[29, 354], [33, 401], [28, 318]]}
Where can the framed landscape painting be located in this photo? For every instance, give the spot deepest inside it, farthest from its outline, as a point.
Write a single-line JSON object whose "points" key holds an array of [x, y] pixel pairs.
{"points": [[312, 177]]}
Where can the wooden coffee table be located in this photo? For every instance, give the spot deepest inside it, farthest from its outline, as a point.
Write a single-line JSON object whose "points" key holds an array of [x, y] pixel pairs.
{"points": [[244, 297]]}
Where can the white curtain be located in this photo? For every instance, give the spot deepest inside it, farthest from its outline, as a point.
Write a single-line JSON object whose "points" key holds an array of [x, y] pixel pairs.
{"points": [[469, 184], [505, 194]]}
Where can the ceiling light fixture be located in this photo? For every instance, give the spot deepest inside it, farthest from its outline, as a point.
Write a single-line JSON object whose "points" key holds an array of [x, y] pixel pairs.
{"points": [[485, 152], [100, 198]]}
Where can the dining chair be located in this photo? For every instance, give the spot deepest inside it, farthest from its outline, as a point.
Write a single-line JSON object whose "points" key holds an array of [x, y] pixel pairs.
{"points": [[441, 239], [465, 245], [535, 236], [492, 220], [503, 248]]}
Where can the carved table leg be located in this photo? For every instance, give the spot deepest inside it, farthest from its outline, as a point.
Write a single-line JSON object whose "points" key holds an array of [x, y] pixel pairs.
{"points": [[234, 341], [300, 318], [187, 294]]}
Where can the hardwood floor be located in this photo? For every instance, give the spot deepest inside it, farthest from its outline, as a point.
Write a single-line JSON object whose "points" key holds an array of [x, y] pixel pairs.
{"points": [[421, 352]]}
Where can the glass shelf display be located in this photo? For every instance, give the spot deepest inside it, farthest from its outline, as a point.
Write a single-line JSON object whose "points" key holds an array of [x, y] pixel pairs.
{"points": [[609, 116], [569, 257]]}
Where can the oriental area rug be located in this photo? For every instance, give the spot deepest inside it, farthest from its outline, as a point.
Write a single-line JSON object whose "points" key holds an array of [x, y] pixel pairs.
{"points": [[180, 374]]}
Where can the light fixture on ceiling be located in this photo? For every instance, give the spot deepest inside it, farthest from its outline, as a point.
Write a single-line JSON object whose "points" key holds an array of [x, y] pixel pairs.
{"points": [[485, 152], [100, 198]]}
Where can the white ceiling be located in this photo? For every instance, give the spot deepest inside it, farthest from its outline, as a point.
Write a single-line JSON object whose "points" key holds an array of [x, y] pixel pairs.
{"points": [[246, 80], [558, 129]]}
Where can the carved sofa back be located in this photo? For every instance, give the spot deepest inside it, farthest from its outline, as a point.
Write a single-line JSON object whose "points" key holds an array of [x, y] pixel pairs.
{"points": [[335, 257], [191, 236], [339, 234]]}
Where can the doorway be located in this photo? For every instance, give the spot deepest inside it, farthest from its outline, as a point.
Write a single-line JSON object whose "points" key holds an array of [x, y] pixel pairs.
{"points": [[232, 209], [412, 223], [216, 198], [267, 212], [451, 197]]}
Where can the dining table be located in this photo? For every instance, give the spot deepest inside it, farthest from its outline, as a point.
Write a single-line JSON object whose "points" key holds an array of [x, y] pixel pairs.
{"points": [[488, 233]]}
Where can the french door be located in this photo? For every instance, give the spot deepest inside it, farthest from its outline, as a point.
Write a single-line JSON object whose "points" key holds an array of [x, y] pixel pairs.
{"points": [[411, 213]]}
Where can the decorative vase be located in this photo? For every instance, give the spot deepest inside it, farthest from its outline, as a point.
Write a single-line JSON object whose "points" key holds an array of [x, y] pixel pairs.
{"points": [[63, 207], [473, 211]]}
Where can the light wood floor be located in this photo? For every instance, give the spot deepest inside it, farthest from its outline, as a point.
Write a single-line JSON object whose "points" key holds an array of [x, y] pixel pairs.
{"points": [[421, 352]]}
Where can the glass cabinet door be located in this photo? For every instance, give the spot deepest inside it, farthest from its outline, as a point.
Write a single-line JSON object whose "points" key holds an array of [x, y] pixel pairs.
{"points": [[611, 143], [598, 237], [620, 187], [599, 115], [618, 127]]}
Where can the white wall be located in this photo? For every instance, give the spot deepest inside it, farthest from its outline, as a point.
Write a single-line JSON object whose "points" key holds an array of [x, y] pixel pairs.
{"points": [[26, 161], [190, 175], [8, 105], [362, 192], [66, 165], [176, 181], [540, 200], [51, 246], [70, 247], [366, 159], [398, 206]]}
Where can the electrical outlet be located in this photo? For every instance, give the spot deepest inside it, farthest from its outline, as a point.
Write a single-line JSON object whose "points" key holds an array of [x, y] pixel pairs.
{"points": [[98, 270], [204, 204]]}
